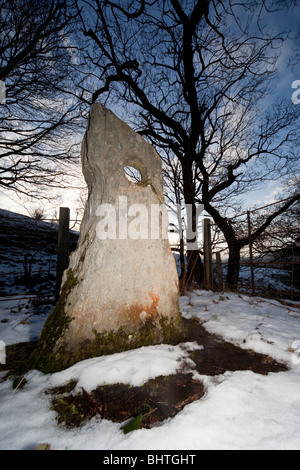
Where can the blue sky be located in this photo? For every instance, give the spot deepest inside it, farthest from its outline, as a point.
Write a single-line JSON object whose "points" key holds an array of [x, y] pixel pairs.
{"points": [[287, 74]]}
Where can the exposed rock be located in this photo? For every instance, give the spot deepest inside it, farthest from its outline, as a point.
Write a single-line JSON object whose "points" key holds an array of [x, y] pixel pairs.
{"points": [[121, 288]]}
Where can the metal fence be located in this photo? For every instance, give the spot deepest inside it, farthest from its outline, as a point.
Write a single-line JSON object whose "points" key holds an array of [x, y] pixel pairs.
{"points": [[30, 256], [269, 262], [34, 254]]}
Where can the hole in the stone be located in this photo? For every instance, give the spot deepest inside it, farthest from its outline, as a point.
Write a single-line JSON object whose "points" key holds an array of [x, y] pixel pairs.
{"points": [[132, 174]]}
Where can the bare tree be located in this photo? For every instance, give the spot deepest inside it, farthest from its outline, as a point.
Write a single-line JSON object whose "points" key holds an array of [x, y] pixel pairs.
{"points": [[174, 201], [193, 77], [280, 242], [258, 149], [38, 116]]}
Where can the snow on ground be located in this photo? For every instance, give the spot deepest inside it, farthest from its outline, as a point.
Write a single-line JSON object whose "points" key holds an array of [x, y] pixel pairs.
{"points": [[20, 319], [240, 410]]}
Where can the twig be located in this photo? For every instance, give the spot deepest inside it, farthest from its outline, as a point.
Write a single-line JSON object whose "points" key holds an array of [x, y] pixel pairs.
{"points": [[1, 409]]}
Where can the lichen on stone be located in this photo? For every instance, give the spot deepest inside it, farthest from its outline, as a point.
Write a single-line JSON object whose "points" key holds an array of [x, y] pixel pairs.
{"points": [[109, 342]]}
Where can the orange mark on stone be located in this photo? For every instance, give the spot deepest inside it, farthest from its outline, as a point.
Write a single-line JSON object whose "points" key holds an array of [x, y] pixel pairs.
{"points": [[154, 305], [140, 312]]}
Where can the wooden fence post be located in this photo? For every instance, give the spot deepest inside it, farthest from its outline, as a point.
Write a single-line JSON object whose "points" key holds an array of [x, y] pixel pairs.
{"points": [[219, 271], [63, 246], [251, 254], [208, 266]]}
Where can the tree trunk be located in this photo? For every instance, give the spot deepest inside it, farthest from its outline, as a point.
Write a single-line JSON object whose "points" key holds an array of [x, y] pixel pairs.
{"points": [[234, 245], [233, 269], [181, 259], [194, 274]]}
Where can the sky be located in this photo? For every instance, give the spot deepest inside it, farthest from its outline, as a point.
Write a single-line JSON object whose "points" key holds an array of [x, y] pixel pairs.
{"points": [[68, 197], [287, 75]]}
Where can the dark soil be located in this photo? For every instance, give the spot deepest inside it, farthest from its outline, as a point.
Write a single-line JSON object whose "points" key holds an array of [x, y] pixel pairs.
{"points": [[218, 356], [156, 400], [17, 356], [162, 397]]}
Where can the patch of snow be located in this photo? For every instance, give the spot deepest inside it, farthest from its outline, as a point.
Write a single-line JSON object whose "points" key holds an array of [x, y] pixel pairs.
{"points": [[240, 410], [133, 367]]}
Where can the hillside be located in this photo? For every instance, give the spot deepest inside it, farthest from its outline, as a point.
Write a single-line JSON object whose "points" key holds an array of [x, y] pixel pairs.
{"points": [[232, 384], [28, 254]]}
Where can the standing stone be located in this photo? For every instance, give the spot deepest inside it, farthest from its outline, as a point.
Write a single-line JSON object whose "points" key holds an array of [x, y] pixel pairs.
{"points": [[121, 288]]}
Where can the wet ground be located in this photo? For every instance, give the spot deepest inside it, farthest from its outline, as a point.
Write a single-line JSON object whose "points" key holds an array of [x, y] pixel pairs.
{"points": [[162, 397], [218, 356], [159, 398]]}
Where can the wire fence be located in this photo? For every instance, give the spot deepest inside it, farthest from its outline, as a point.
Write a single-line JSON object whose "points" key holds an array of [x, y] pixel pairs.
{"points": [[29, 256], [33, 254], [264, 262]]}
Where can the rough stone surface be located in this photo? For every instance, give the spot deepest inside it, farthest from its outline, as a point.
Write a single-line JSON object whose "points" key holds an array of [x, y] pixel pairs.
{"points": [[117, 293]]}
